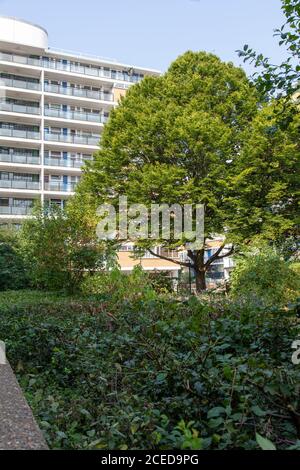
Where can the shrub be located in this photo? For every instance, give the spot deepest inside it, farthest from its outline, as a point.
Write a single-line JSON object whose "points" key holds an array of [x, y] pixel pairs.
{"points": [[161, 282], [119, 286], [13, 274], [265, 279], [153, 374], [61, 247]]}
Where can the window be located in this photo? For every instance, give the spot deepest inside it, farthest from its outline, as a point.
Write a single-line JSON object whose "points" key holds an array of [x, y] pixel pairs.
{"points": [[4, 202]]}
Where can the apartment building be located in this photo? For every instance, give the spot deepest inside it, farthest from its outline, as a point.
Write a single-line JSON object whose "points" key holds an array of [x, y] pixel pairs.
{"points": [[53, 106]]}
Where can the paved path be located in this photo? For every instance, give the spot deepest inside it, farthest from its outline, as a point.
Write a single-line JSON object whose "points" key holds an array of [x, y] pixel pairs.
{"points": [[18, 428]]}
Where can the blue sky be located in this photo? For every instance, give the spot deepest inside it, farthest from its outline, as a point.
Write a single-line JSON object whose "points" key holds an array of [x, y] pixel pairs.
{"points": [[154, 32]]}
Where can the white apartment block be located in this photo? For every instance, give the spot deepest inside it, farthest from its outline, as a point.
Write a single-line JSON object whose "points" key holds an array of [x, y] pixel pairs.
{"points": [[53, 106]]}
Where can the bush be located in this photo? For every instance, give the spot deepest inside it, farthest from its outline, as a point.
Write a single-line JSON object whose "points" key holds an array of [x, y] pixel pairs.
{"points": [[61, 247], [119, 286], [153, 373], [265, 279], [161, 282], [13, 274]]}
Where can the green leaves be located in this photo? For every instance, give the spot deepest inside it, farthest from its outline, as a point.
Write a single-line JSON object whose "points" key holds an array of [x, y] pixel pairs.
{"points": [[272, 79], [131, 372], [60, 247], [264, 443], [216, 412], [176, 139]]}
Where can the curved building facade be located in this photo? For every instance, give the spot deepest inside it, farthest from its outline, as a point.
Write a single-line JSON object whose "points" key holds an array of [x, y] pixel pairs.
{"points": [[22, 33], [53, 106]]}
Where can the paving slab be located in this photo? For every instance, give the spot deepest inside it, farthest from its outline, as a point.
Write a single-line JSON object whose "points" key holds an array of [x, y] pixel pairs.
{"points": [[18, 428]]}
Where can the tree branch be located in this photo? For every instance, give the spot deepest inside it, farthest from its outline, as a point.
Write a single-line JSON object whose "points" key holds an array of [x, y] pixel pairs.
{"points": [[216, 256], [229, 253]]}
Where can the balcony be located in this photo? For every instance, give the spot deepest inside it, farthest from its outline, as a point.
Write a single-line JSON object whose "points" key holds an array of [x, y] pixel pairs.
{"points": [[19, 133], [70, 67], [20, 184], [15, 210], [78, 92], [75, 115], [59, 187], [90, 71], [18, 83], [68, 162], [19, 59], [72, 139], [27, 159], [19, 108]]}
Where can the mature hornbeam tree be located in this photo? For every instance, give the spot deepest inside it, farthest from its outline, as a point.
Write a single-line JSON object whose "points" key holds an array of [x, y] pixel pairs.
{"points": [[176, 139]]}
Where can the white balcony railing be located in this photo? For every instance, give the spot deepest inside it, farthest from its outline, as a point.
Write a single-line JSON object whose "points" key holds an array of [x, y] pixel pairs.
{"points": [[19, 184], [19, 133], [59, 187], [78, 92], [19, 59], [15, 210], [68, 66], [75, 115], [68, 162], [19, 158], [19, 83], [72, 139], [19, 108]]}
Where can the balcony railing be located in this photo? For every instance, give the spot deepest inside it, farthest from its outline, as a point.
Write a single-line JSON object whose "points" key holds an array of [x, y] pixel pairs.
{"points": [[19, 108], [86, 70], [78, 92], [75, 115], [20, 59], [19, 158], [72, 139], [15, 210], [70, 163], [18, 133], [19, 184], [69, 67], [60, 187], [18, 83]]}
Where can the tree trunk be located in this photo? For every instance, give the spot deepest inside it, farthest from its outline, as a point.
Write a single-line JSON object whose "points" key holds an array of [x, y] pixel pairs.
{"points": [[200, 281]]}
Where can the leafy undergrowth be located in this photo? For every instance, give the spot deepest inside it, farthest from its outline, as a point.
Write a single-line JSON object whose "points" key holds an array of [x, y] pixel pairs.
{"points": [[154, 374]]}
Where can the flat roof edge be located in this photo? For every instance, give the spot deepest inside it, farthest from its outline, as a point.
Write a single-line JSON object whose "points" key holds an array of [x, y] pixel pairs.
{"points": [[24, 21], [104, 60]]}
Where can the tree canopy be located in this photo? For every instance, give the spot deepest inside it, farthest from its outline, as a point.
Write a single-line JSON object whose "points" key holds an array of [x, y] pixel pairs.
{"points": [[175, 139]]}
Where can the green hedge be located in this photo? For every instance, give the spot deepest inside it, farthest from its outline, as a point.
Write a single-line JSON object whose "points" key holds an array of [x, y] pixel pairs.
{"points": [[154, 374]]}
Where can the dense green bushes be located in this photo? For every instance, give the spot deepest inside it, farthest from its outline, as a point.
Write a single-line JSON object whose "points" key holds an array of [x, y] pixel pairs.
{"points": [[60, 247], [13, 274], [264, 278], [154, 373]]}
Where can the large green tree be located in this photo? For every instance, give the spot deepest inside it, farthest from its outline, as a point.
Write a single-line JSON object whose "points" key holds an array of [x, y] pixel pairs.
{"points": [[265, 188], [175, 139]]}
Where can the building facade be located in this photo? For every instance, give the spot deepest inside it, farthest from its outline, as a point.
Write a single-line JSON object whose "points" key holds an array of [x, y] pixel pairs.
{"points": [[53, 106]]}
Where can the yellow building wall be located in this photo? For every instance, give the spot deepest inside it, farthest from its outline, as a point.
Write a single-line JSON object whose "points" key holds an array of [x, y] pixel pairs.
{"points": [[118, 93], [127, 263]]}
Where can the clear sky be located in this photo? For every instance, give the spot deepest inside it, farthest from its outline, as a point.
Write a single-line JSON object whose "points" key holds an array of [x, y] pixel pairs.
{"points": [[154, 32]]}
